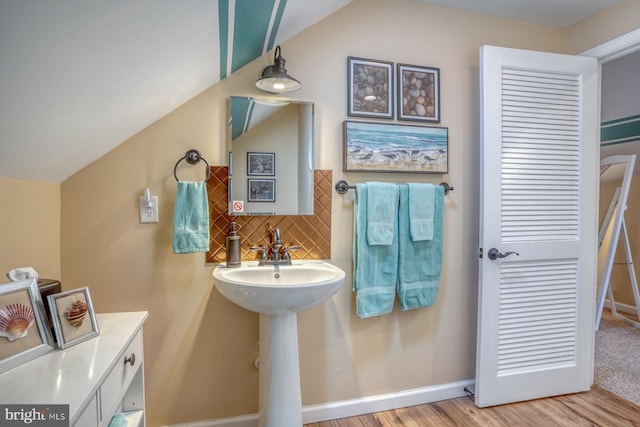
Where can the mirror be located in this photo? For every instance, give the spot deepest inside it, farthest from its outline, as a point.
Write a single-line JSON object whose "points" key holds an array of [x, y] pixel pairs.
{"points": [[270, 156], [616, 173]]}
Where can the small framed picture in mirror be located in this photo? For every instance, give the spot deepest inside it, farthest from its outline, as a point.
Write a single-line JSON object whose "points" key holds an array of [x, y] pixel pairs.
{"points": [[261, 164], [261, 190]]}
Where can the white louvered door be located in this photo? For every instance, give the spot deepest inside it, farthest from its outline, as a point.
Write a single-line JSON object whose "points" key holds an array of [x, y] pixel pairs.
{"points": [[539, 157]]}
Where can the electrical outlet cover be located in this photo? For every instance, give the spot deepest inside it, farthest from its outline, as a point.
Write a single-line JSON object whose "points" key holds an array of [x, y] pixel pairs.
{"points": [[149, 215]]}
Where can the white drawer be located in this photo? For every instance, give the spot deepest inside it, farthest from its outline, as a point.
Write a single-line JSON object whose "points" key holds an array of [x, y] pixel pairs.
{"points": [[114, 387], [89, 416]]}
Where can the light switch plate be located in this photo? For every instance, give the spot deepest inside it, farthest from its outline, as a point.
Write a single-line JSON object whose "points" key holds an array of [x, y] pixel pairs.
{"points": [[149, 215]]}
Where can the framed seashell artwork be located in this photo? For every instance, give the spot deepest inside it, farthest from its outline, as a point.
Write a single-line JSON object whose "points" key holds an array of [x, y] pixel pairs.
{"points": [[73, 317], [24, 330], [418, 93], [370, 88]]}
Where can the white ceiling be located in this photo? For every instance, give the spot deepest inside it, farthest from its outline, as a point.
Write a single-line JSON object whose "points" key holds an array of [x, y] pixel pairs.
{"points": [[555, 13], [79, 77]]}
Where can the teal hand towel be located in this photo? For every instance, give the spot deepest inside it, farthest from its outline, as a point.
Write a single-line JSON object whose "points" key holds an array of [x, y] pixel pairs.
{"points": [[191, 218], [419, 262], [382, 213], [118, 420], [375, 267], [421, 208]]}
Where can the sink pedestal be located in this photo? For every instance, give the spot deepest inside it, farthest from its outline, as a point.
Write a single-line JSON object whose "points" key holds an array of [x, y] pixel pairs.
{"points": [[280, 400]]}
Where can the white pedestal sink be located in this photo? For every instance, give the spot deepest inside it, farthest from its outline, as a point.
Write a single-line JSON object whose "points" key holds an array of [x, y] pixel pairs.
{"points": [[277, 294]]}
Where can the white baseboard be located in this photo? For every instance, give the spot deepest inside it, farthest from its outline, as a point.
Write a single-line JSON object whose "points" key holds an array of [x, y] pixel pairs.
{"points": [[354, 407], [625, 308]]}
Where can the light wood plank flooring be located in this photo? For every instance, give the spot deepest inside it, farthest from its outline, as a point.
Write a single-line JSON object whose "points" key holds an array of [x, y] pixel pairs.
{"points": [[594, 408]]}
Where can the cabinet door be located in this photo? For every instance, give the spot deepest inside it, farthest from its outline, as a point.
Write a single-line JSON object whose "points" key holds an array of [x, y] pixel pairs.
{"points": [[89, 416]]}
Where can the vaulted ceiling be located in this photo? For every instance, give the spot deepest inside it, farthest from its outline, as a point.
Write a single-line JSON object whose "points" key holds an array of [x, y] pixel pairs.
{"points": [[79, 77]]}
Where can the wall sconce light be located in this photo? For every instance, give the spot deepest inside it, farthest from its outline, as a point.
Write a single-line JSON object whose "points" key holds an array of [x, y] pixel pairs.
{"points": [[275, 79]]}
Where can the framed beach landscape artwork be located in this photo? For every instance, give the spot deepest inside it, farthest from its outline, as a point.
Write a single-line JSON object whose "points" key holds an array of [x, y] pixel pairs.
{"points": [[382, 147]]}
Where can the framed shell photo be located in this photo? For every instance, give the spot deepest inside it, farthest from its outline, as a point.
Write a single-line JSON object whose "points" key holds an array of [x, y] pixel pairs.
{"points": [[370, 88], [418, 93], [24, 330], [261, 190], [73, 317], [261, 164]]}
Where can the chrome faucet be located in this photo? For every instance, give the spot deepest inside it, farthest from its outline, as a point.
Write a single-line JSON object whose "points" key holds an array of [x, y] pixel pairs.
{"points": [[276, 244], [276, 249]]}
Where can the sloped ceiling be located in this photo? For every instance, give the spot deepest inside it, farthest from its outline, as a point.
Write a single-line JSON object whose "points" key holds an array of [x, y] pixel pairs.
{"points": [[79, 77]]}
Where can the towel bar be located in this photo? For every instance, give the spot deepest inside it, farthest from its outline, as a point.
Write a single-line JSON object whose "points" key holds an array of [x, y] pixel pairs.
{"points": [[342, 187], [192, 157]]}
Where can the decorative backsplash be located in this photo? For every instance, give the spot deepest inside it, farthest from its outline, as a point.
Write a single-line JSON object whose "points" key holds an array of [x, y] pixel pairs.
{"points": [[311, 232]]}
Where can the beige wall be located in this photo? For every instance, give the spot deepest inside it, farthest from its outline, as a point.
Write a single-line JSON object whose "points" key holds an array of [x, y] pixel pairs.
{"points": [[619, 19], [200, 348], [30, 227]]}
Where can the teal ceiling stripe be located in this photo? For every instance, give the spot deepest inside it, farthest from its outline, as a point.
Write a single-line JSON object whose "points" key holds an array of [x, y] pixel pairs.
{"points": [[247, 120], [239, 109], [624, 119], [223, 27], [620, 131], [251, 24], [276, 24]]}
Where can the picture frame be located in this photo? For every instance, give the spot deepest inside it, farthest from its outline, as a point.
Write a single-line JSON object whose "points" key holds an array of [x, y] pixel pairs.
{"points": [[73, 317], [395, 147], [261, 164], [261, 190], [370, 88], [24, 329], [418, 93]]}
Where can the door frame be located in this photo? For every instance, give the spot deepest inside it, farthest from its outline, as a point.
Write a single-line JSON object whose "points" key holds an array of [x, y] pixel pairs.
{"points": [[615, 48]]}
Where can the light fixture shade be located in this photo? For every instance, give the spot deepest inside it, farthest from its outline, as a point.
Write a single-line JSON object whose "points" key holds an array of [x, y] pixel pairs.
{"points": [[275, 79]]}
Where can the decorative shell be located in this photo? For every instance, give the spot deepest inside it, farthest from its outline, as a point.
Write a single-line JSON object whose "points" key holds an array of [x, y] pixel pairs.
{"points": [[15, 319], [76, 312]]}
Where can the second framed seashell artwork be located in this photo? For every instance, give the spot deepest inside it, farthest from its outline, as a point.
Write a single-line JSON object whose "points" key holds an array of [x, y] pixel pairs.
{"points": [[72, 316]]}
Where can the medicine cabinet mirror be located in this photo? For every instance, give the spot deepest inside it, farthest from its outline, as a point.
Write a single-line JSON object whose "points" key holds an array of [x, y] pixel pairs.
{"points": [[270, 156]]}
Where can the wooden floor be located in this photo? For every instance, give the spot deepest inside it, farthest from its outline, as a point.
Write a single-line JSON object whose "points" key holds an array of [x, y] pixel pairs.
{"points": [[594, 408]]}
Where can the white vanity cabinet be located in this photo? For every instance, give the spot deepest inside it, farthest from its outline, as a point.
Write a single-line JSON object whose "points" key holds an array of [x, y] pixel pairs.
{"points": [[97, 378]]}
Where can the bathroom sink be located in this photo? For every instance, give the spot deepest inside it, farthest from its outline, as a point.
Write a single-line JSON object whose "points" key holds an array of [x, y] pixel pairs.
{"points": [[287, 289]]}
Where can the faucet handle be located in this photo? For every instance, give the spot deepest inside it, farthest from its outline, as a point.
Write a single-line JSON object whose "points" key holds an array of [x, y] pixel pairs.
{"points": [[262, 251], [285, 251]]}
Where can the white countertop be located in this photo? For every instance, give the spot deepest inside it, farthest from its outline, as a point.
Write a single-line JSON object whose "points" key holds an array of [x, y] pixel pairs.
{"points": [[71, 376]]}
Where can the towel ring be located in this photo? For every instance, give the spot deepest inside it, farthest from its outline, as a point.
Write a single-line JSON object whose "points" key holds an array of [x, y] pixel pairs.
{"points": [[192, 157]]}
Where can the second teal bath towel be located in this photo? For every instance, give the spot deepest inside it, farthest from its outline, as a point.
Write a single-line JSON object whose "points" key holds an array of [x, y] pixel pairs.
{"points": [[420, 261]]}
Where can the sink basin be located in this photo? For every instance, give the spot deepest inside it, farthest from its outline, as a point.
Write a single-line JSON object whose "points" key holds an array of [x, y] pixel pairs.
{"points": [[289, 289]]}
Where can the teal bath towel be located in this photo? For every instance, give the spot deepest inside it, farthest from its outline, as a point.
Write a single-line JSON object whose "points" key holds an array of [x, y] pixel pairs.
{"points": [[382, 213], [420, 261], [375, 267], [191, 218], [421, 205]]}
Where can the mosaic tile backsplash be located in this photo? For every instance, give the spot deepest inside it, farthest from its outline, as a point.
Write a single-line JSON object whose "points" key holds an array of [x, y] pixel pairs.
{"points": [[311, 232]]}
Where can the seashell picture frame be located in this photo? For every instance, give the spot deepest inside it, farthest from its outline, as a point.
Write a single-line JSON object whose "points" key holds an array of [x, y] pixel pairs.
{"points": [[25, 333], [73, 317]]}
